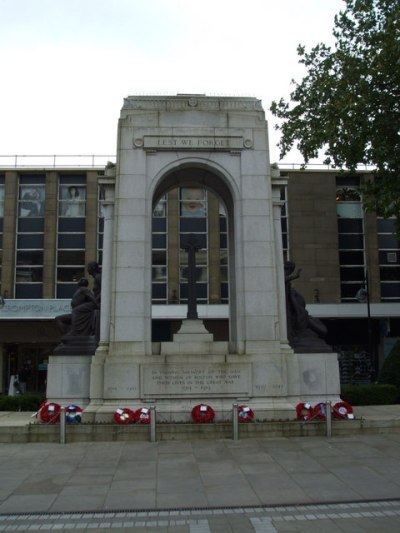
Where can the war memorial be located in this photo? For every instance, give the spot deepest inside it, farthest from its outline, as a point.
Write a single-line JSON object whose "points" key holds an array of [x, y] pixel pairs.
{"points": [[275, 356]]}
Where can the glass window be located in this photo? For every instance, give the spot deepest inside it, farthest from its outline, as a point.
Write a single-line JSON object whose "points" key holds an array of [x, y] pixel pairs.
{"points": [[72, 201], [71, 240], [1, 219], [71, 228], [1, 197], [159, 270], [389, 260], [31, 201], [160, 210], [351, 258], [71, 257], [30, 236], [351, 237], [193, 202]]}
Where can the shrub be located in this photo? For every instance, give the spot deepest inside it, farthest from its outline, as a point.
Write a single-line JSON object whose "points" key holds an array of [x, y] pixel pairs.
{"points": [[375, 394], [21, 402], [390, 372]]}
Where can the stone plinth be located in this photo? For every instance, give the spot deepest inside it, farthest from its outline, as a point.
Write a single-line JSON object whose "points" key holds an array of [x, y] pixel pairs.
{"points": [[68, 379]]}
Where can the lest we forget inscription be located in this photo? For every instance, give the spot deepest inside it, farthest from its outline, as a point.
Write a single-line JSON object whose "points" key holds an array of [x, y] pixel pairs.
{"points": [[188, 380]]}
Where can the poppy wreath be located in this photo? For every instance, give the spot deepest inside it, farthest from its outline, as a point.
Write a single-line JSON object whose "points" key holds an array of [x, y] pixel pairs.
{"points": [[203, 413], [343, 410], [49, 412], [124, 416], [320, 411], [245, 414], [73, 414], [142, 415], [304, 411]]}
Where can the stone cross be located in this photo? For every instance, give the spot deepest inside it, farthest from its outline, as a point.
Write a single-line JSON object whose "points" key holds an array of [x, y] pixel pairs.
{"points": [[191, 244]]}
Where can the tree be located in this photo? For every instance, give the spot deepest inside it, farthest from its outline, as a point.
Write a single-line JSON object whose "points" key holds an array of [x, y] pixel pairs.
{"points": [[349, 101]]}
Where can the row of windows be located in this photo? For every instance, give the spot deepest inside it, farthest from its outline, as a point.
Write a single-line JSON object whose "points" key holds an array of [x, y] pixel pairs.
{"points": [[192, 211], [71, 237], [350, 223], [352, 248]]}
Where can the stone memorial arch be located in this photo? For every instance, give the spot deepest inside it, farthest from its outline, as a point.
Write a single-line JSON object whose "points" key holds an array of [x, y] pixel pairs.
{"points": [[221, 144]]}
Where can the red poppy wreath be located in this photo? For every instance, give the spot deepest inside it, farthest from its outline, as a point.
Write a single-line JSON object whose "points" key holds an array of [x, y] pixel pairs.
{"points": [[124, 416], [304, 411], [142, 415], [245, 414], [203, 413], [343, 410], [49, 412]]}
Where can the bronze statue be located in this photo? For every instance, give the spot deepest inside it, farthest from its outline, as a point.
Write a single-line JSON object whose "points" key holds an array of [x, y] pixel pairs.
{"points": [[305, 333], [81, 327]]}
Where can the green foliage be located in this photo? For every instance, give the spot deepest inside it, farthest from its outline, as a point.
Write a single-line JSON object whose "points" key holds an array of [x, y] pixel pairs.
{"points": [[390, 372], [349, 101], [369, 394], [21, 402]]}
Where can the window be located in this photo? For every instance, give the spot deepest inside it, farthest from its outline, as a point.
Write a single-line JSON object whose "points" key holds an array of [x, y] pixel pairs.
{"points": [[30, 237], [389, 260], [159, 271], [351, 238], [100, 225], [1, 222], [284, 223], [193, 221], [71, 233], [223, 254], [189, 211]]}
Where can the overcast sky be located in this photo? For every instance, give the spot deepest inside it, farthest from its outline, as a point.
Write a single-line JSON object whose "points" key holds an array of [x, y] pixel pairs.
{"points": [[67, 65]]}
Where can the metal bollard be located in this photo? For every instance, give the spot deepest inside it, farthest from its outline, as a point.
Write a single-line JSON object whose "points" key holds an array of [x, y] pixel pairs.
{"points": [[152, 423], [329, 418], [235, 422], [62, 425]]}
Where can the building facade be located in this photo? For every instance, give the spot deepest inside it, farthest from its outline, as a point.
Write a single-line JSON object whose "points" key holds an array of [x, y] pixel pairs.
{"points": [[51, 227]]}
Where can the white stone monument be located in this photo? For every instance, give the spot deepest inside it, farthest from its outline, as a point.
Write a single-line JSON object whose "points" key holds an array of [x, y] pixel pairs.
{"points": [[222, 144]]}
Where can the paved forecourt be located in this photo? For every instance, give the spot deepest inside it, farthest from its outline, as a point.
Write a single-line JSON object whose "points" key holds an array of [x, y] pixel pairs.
{"points": [[216, 485]]}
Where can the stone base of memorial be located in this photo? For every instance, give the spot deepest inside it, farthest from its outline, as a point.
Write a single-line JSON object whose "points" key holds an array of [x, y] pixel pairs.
{"points": [[68, 379], [193, 370]]}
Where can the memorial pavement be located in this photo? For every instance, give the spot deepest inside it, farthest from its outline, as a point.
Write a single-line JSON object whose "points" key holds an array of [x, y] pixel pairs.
{"points": [[340, 484]]}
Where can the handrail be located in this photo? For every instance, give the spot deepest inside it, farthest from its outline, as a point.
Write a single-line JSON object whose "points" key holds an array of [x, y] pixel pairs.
{"points": [[98, 160], [55, 161]]}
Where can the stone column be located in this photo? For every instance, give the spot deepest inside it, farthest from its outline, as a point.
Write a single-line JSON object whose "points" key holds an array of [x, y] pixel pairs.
{"points": [[280, 281], [97, 366], [108, 185]]}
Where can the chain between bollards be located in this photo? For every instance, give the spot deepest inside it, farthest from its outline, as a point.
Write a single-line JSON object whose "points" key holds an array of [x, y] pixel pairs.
{"points": [[152, 423], [329, 418], [235, 422], [62, 425]]}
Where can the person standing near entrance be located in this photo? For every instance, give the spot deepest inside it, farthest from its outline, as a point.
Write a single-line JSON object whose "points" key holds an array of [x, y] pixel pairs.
{"points": [[24, 375]]}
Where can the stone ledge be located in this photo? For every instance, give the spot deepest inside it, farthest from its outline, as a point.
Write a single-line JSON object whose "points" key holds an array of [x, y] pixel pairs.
{"points": [[38, 432]]}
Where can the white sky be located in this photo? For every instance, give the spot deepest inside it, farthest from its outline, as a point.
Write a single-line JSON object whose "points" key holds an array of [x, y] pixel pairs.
{"points": [[67, 65]]}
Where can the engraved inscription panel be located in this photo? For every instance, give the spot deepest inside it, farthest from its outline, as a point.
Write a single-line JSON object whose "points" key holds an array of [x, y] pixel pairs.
{"points": [[195, 380], [165, 142]]}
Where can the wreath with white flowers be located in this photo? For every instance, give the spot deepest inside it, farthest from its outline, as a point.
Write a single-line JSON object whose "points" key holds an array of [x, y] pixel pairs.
{"points": [[203, 413], [142, 415], [304, 411], [245, 414], [73, 414], [49, 412], [343, 410], [124, 415]]}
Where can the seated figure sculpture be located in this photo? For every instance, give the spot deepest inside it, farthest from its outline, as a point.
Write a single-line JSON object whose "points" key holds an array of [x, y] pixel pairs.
{"points": [[305, 333], [81, 326]]}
